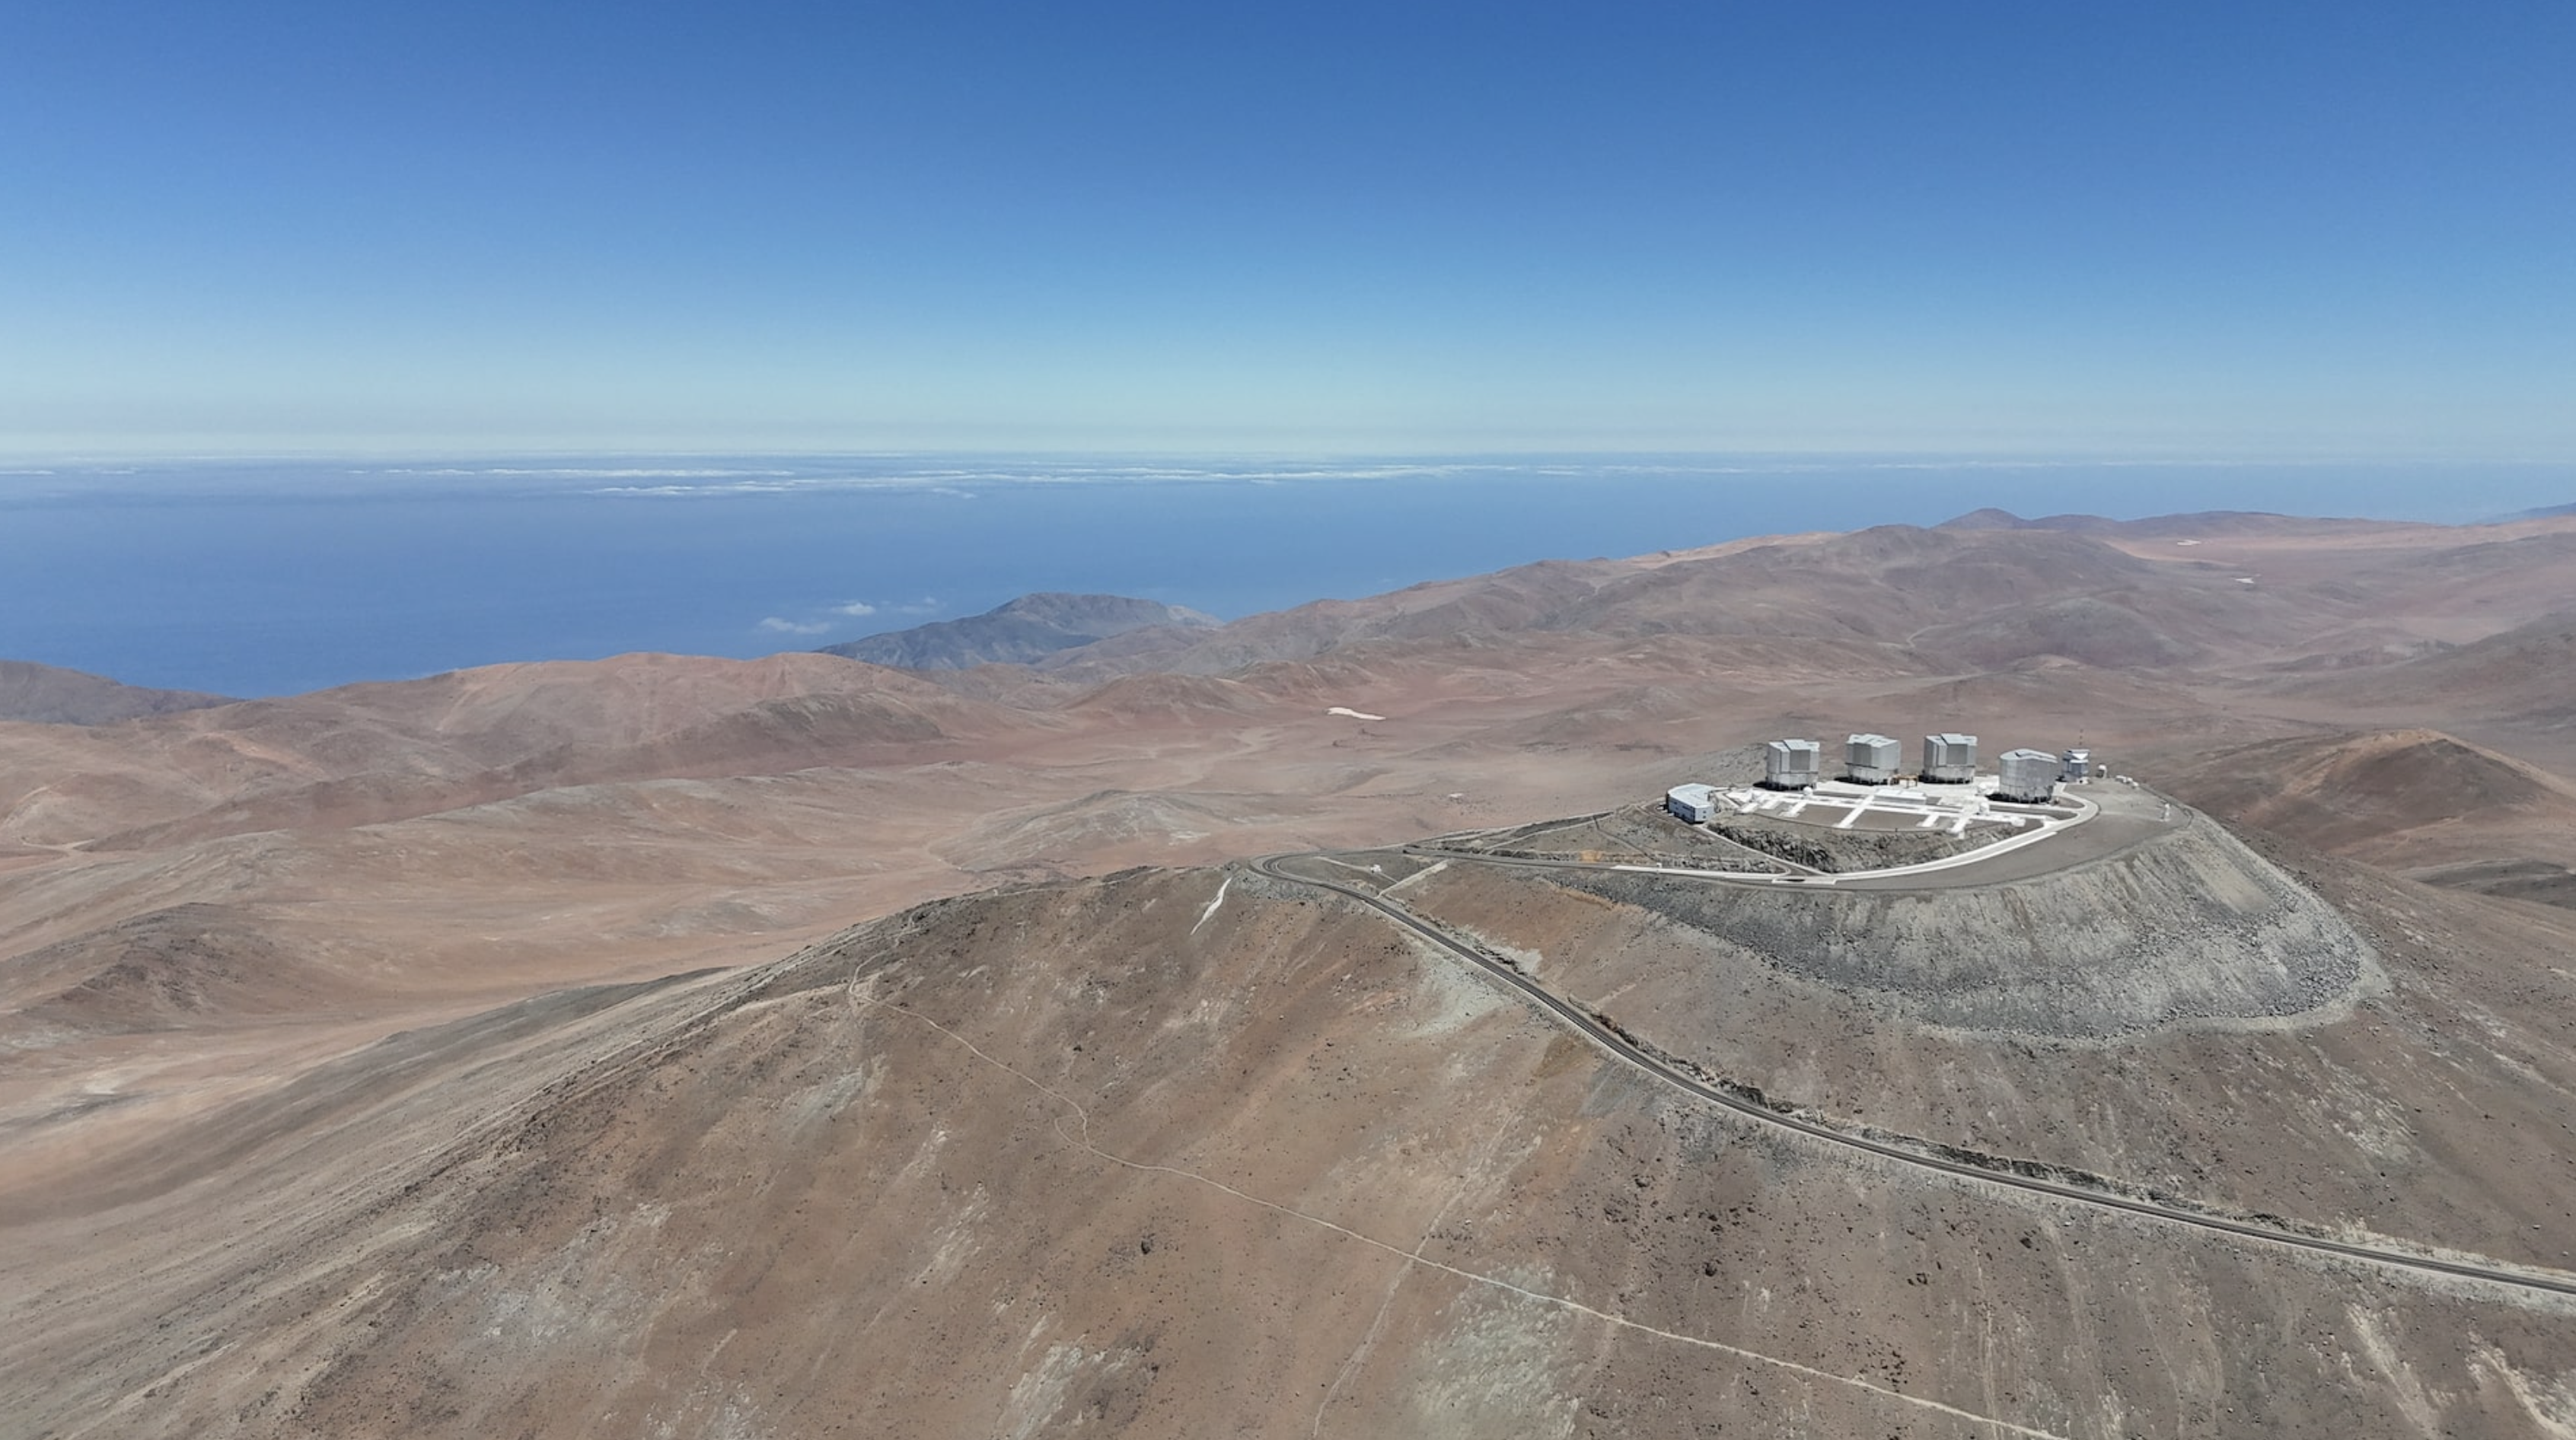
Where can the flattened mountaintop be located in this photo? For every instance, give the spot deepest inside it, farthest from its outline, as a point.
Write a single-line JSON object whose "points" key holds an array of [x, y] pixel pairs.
{"points": [[2189, 926]]}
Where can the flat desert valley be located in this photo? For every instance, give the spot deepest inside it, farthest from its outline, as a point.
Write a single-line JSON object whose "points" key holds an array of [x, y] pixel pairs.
{"points": [[1313, 1025]]}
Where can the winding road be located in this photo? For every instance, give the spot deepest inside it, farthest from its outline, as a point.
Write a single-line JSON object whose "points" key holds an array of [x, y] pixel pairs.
{"points": [[1607, 1039]]}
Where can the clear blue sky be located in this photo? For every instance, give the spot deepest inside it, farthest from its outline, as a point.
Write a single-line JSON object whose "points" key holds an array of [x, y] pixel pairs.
{"points": [[2178, 229]]}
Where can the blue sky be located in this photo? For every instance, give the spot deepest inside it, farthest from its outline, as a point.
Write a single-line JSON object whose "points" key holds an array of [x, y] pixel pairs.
{"points": [[2288, 229]]}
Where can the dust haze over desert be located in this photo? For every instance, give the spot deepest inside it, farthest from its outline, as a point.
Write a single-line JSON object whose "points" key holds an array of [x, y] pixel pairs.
{"points": [[808, 723]]}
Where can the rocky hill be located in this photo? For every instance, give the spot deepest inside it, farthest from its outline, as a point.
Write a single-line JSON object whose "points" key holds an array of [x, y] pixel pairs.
{"points": [[2527, 673], [418, 1058], [369, 753], [1189, 1152], [2420, 802], [1983, 596], [1020, 632], [51, 695]]}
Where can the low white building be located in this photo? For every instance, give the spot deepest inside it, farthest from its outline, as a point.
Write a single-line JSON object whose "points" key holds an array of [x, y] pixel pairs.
{"points": [[2079, 765], [1694, 803], [1792, 764], [2029, 776], [1873, 759]]}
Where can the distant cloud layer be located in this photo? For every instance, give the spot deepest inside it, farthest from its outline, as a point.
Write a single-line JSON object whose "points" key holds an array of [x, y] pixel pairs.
{"points": [[835, 617]]}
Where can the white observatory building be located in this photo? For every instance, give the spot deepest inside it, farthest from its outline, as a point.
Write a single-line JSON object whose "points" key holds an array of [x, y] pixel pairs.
{"points": [[1792, 764], [1873, 760], [1950, 759], [1694, 803], [2027, 775]]}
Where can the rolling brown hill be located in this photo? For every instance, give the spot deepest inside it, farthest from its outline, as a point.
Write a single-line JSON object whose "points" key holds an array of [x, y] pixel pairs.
{"points": [[345, 1089], [51, 695], [2414, 801], [369, 753], [174, 969], [1021, 631], [1191, 1152], [2147, 593], [2525, 675]]}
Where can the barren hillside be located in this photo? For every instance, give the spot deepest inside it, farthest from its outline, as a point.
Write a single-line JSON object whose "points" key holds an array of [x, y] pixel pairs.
{"points": [[345, 1089], [51, 695], [1191, 1152]]}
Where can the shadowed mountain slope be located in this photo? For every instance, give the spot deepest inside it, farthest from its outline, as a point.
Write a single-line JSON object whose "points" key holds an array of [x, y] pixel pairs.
{"points": [[51, 695], [168, 970], [1019, 632], [2418, 801]]}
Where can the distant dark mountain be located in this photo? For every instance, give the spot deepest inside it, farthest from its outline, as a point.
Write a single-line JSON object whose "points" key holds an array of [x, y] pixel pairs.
{"points": [[1989, 518], [2546, 512], [50, 695], [1021, 632], [2199, 522], [1889, 596]]}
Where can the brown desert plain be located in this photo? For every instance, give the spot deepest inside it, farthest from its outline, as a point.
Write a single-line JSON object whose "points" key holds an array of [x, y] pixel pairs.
{"points": [[671, 1046]]}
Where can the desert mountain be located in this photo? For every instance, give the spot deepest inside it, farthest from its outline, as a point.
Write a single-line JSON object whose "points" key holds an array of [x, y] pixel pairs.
{"points": [[1188, 1152], [1019, 632], [2198, 523], [375, 752], [418, 1058], [2525, 674], [2119, 595], [2416, 801], [50, 695]]}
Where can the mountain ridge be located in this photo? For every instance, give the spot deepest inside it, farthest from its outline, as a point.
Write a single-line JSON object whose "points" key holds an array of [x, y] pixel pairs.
{"points": [[419, 1058], [1018, 632], [51, 695]]}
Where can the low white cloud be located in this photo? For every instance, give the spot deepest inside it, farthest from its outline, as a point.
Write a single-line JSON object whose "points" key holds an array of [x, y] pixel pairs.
{"points": [[859, 609], [593, 473], [776, 626]]}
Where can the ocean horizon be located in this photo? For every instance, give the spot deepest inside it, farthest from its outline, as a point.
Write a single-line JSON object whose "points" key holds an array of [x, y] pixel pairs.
{"points": [[271, 577]]}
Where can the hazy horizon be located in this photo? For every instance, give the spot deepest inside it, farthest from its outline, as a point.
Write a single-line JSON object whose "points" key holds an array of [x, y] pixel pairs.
{"points": [[273, 577]]}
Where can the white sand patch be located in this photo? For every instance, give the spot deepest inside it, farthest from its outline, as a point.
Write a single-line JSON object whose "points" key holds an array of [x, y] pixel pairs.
{"points": [[1353, 714], [1210, 912]]}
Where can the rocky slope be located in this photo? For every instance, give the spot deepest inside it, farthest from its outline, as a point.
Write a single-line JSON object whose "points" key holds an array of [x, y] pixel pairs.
{"points": [[2188, 928], [1192, 1152], [2418, 801], [370, 753], [51, 695], [1019, 632], [341, 1092]]}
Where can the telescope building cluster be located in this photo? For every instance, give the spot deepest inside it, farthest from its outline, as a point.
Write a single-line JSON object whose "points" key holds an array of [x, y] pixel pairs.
{"points": [[2024, 776]]}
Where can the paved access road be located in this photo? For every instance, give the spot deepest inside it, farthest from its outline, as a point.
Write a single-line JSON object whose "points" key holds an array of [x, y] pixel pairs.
{"points": [[1602, 1037]]}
